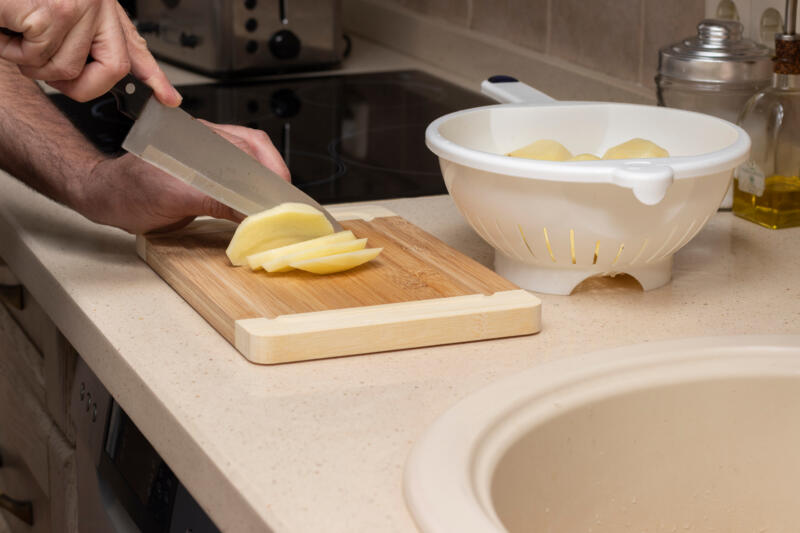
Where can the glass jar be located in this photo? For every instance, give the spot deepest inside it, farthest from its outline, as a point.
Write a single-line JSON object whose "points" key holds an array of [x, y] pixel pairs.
{"points": [[715, 72]]}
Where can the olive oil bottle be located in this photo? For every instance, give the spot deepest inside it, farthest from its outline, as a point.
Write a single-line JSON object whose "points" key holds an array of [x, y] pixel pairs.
{"points": [[767, 186]]}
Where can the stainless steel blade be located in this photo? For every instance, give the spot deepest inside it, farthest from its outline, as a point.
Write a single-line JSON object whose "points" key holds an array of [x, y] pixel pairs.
{"points": [[172, 140]]}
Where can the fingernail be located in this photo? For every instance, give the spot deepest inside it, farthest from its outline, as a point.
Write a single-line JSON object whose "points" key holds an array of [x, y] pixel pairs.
{"points": [[177, 96]]}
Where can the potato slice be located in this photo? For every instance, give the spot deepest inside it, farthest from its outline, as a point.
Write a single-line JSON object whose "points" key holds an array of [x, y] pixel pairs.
{"points": [[285, 224], [256, 261], [338, 262], [281, 263], [584, 157], [544, 149], [635, 149]]}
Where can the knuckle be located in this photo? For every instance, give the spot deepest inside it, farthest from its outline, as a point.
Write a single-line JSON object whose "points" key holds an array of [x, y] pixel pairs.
{"points": [[65, 10], [136, 39], [78, 94], [69, 71], [121, 68]]}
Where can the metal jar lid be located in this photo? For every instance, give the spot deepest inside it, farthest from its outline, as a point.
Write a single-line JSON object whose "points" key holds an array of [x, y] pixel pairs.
{"points": [[718, 54]]}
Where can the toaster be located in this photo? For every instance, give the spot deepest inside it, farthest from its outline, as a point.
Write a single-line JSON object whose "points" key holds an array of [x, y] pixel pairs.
{"points": [[226, 38]]}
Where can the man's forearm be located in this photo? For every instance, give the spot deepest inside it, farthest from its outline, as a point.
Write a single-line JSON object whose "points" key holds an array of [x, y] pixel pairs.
{"points": [[38, 145]]}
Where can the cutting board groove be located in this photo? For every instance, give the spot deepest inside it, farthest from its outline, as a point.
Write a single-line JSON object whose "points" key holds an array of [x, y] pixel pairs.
{"points": [[414, 267]]}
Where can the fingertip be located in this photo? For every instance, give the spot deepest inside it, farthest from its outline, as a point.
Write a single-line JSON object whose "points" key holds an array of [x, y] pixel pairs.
{"points": [[169, 96]]}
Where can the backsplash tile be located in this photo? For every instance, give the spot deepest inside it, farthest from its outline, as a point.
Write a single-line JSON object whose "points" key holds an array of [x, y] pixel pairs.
{"points": [[604, 36], [522, 22], [455, 11], [618, 38], [665, 23]]}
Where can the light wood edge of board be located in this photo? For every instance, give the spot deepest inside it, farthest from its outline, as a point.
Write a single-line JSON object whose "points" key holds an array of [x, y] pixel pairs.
{"points": [[396, 326], [360, 212]]}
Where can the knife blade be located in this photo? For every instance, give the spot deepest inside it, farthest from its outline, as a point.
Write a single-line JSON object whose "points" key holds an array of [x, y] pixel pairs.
{"points": [[180, 145]]}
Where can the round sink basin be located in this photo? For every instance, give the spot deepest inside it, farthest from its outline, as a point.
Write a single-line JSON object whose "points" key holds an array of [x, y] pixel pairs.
{"points": [[697, 435]]}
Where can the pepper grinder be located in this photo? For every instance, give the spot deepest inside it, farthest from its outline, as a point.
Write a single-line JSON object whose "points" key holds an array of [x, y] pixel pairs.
{"points": [[767, 185]]}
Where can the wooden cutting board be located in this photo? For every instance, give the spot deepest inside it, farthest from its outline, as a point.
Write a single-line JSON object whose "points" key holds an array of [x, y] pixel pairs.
{"points": [[417, 292]]}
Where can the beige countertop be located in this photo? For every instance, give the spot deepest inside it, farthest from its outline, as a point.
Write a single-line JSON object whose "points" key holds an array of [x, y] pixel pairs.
{"points": [[320, 446]]}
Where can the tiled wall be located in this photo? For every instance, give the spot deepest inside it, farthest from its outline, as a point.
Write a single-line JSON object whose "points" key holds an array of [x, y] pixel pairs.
{"points": [[617, 37]]}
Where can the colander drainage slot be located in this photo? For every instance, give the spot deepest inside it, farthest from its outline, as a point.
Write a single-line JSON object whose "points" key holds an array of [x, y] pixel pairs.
{"points": [[683, 239], [524, 240], [511, 248], [596, 252], [641, 250], [549, 248], [666, 242], [619, 253], [572, 245]]}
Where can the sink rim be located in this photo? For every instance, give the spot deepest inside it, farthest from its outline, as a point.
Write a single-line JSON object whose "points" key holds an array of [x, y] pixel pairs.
{"points": [[447, 478]]}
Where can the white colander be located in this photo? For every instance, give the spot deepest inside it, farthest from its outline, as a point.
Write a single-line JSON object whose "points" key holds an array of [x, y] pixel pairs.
{"points": [[554, 224]]}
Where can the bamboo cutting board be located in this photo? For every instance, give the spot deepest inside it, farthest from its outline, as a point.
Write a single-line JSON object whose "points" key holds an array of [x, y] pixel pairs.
{"points": [[417, 292]]}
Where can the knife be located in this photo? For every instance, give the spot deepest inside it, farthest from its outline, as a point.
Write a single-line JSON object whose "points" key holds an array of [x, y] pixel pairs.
{"points": [[175, 142]]}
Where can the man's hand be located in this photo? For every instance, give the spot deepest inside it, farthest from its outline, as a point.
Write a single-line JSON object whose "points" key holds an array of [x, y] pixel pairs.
{"points": [[58, 36], [132, 195]]}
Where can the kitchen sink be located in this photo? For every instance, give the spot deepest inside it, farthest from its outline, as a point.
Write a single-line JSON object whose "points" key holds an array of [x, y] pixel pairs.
{"points": [[694, 435]]}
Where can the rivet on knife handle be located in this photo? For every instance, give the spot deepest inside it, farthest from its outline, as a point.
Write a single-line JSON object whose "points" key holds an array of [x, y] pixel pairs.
{"points": [[131, 95]]}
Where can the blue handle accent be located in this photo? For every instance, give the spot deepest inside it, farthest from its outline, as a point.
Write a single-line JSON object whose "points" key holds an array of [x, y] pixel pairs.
{"points": [[502, 78]]}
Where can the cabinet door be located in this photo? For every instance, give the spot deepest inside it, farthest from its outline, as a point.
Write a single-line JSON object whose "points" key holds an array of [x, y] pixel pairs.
{"points": [[55, 358], [24, 423], [17, 481], [63, 484]]}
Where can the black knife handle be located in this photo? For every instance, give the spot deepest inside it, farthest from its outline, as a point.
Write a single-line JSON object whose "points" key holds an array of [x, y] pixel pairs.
{"points": [[10, 33], [131, 95]]}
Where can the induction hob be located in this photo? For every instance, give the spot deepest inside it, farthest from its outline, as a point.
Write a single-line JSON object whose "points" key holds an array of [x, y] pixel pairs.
{"points": [[345, 138]]}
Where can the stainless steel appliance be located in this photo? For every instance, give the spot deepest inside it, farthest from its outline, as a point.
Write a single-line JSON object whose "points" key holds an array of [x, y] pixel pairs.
{"points": [[224, 38]]}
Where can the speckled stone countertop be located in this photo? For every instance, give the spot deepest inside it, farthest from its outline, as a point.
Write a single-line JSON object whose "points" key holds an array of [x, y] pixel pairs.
{"points": [[321, 445]]}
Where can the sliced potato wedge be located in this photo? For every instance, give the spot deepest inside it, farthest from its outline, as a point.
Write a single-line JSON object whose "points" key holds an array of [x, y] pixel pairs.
{"points": [[282, 225], [543, 149], [584, 157], [281, 263], [256, 261], [338, 262], [635, 149]]}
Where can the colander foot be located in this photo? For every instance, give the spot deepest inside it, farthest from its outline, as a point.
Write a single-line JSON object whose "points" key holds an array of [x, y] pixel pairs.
{"points": [[555, 280], [541, 279], [654, 275]]}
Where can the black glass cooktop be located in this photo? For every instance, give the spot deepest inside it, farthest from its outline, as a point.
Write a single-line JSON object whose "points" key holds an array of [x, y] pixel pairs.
{"points": [[345, 137]]}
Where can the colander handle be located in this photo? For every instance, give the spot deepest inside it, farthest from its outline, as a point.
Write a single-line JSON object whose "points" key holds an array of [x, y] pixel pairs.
{"points": [[508, 90], [649, 182]]}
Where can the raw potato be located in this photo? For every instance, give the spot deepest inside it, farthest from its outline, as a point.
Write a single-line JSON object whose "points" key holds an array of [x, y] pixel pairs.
{"points": [[635, 149], [584, 157], [544, 149], [281, 263], [256, 261], [285, 224], [338, 262]]}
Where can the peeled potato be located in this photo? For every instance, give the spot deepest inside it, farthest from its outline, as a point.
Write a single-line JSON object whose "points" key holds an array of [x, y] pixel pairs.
{"points": [[584, 157], [338, 262], [285, 224], [635, 149], [281, 263], [257, 261], [544, 149]]}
